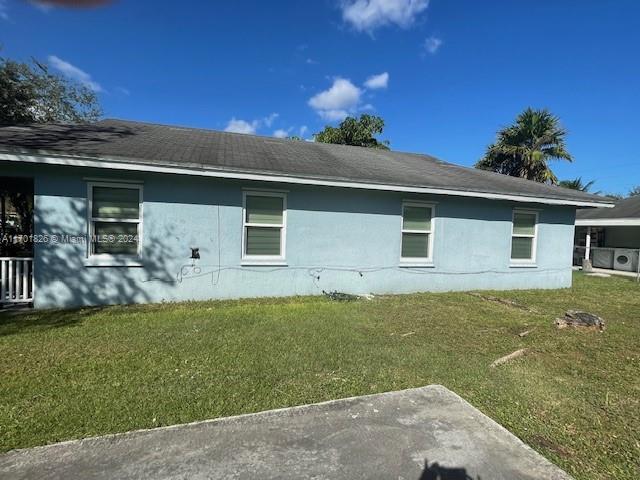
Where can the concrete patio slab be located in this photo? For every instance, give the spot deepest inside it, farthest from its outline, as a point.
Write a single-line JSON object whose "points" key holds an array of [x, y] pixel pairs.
{"points": [[608, 272], [422, 433]]}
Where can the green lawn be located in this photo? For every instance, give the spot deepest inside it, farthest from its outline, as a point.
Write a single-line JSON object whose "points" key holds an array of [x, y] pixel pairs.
{"points": [[575, 398]]}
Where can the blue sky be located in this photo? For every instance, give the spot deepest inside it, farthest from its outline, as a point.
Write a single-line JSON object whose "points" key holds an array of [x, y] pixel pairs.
{"points": [[444, 74]]}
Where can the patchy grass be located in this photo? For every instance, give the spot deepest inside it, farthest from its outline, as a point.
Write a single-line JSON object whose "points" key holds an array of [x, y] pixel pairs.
{"points": [[574, 398]]}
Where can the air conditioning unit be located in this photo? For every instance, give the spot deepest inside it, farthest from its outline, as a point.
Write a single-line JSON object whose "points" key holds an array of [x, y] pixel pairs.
{"points": [[625, 259], [602, 258]]}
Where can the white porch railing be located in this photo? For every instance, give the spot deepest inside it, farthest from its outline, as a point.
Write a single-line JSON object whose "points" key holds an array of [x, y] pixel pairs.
{"points": [[16, 280]]}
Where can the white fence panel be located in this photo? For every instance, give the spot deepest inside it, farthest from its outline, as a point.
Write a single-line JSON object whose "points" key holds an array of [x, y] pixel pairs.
{"points": [[16, 280]]}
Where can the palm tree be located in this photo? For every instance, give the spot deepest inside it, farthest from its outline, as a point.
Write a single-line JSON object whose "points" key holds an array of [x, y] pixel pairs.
{"points": [[525, 148], [576, 184]]}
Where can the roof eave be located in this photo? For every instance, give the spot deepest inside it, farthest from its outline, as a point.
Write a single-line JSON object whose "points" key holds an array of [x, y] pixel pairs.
{"points": [[607, 222], [52, 158]]}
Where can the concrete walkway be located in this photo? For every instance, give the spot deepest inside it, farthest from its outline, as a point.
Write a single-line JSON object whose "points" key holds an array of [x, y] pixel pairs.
{"points": [[608, 271], [423, 433]]}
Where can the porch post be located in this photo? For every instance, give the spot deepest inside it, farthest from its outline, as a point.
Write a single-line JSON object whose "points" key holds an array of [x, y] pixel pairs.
{"points": [[4, 248], [3, 214], [587, 249]]}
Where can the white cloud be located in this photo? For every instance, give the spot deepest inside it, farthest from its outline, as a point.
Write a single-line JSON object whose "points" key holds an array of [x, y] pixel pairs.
{"points": [[367, 15], [241, 126], [123, 91], [237, 125], [4, 15], [336, 102], [377, 81], [42, 6], [74, 73], [432, 44], [269, 119], [342, 94], [281, 133], [333, 115]]}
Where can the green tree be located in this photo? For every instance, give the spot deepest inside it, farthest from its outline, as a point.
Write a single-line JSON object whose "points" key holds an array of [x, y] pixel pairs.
{"points": [[576, 184], [614, 196], [30, 93], [525, 148], [359, 132], [635, 191]]}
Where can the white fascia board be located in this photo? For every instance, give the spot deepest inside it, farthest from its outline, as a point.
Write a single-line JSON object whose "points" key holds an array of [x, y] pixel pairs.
{"points": [[132, 165], [608, 222]]}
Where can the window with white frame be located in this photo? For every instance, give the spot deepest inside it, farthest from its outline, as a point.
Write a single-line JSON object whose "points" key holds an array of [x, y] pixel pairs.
{"points": [[264, 225], [523, 236], [417, 232], [115, 219]]}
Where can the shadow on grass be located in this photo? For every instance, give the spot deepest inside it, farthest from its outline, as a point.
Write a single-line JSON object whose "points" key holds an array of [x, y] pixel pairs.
{"points": [[19, 321]]}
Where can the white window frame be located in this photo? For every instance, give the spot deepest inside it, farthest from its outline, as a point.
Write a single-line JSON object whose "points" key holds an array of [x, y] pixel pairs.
{"points": [[108, 259], [521, 262], [264, 259], [418, 261]]}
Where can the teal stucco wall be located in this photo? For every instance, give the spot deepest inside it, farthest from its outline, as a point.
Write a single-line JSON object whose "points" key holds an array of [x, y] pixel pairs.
{"points": [[337, 239]]}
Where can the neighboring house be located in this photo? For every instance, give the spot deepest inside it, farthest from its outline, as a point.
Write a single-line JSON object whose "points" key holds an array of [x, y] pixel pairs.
{"points": [[120, 208], [611, 237]]}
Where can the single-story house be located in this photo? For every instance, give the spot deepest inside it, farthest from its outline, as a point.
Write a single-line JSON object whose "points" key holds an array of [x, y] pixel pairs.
{"points": [[128, 212], [610, 237]]}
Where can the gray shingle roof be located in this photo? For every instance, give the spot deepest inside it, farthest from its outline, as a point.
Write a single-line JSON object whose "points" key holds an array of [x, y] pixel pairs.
{"points": [[189, 147], [627, 208]]}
